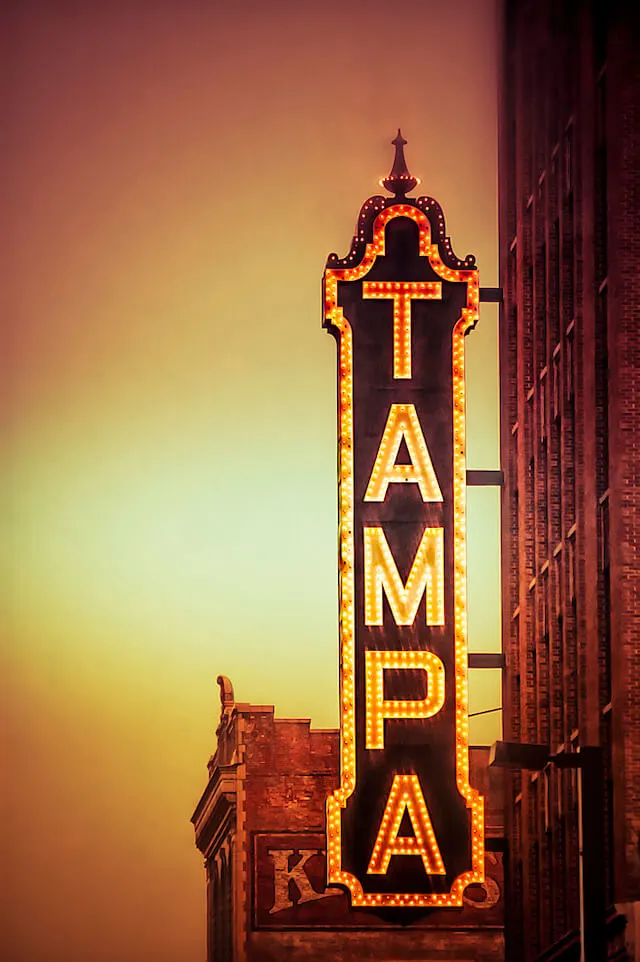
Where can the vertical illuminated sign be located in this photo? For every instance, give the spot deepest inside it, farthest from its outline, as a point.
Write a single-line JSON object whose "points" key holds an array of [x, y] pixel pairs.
{"points": [[405, 827]]}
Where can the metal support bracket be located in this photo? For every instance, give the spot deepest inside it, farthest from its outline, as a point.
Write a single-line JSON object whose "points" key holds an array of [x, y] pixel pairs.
{"points": [[487, 659], [491, 295], [485, 478]]}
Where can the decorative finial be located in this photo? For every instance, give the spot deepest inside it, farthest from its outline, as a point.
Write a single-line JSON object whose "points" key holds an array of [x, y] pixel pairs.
{"points": [[399, 182], [227, 700]]}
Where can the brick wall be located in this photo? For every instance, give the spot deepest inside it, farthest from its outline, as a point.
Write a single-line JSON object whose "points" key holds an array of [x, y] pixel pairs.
{"points": [[264, 811], [623, 77], [570, 432]]}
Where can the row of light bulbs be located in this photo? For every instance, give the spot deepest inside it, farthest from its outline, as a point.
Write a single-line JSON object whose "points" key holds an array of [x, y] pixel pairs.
{"points": [[378, 203], [402, 597]]}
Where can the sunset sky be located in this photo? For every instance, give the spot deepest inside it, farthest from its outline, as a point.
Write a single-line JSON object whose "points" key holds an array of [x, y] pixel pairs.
{"points": [[175, 174]]}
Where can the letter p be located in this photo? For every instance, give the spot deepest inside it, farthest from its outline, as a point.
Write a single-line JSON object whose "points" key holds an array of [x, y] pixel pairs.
{"points": [[378, 708]]}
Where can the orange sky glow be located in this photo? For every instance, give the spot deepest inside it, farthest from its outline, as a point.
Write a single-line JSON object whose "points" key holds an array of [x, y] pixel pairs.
{"points": [[176, 174]]}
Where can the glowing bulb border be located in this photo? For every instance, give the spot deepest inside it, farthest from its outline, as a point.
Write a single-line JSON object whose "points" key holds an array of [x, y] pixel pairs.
{"points": [[337, 801]]}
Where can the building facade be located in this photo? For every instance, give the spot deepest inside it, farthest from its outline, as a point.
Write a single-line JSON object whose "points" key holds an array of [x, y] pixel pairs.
{"points": [[570, 440], [260, 826]]}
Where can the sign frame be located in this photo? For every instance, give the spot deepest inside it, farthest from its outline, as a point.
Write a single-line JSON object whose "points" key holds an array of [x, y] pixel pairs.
{"points": [[376, 215]]}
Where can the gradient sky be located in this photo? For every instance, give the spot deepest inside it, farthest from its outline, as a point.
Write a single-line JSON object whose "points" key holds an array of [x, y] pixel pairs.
{"points": [[175, 174]]}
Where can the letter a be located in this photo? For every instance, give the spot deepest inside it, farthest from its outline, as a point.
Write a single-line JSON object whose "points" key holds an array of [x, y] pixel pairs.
{"points": [[406, 796], [402, 422]]}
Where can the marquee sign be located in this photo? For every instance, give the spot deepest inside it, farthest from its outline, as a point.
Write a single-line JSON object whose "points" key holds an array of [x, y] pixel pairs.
{"points": [[405, 827]]}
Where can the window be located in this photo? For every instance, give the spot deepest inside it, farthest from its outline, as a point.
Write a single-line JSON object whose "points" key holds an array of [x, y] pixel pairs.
{"points": [[604, 601], [571, 567], [568, 160], [569, 362], [600, 169], [543, 606], [557, 581], [556, 403], [602, 390]]}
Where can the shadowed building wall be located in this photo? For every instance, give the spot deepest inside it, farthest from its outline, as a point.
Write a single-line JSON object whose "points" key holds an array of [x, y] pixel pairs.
{"points": [[570, 441], [260, 826]]}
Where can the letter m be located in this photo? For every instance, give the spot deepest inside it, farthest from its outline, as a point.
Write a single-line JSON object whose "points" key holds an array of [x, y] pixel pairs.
{"points": [[426, 576]]}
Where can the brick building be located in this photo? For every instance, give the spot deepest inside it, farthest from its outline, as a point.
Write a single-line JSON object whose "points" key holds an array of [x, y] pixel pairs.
{"points": [[570, 441], [260, 826]]}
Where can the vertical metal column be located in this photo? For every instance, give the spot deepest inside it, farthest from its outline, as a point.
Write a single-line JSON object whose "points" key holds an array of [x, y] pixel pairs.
{"points": [[592, 867]]}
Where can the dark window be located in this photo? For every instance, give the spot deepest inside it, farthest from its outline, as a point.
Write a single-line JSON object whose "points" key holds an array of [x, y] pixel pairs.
{"points": [[568, 160], [571, 568], [569, 372], [554, 285], [600, 33], [558, 593], [602, 391], [557, 391], [600, 165], [604, 602], [543, 409]]}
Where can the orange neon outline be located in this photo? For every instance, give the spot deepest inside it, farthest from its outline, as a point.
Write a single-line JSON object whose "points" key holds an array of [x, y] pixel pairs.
{"points": [[338, 799]]}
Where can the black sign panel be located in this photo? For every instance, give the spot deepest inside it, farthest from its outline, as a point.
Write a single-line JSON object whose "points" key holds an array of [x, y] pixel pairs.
{"points": [[405, 828]]}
